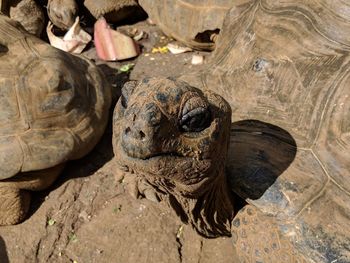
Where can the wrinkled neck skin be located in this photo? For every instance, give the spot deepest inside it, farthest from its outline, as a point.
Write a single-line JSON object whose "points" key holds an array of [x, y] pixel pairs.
{"points": [[209, 210], [211, 213]]}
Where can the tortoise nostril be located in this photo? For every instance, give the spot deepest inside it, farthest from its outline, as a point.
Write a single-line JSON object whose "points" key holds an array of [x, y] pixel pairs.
{"points": [[142, 135], [134, 133]]}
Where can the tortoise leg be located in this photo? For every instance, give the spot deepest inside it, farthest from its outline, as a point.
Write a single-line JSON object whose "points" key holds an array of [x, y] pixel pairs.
{"points": [[257, 238], [14, 205], [148, 191], [15, 192], [137, 186]]}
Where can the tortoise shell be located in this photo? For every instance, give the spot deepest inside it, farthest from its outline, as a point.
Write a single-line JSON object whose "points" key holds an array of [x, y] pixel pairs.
{"points": [[284, 68], [53, 106], [193, 22], [62, 13], [27, 12], [113, 10]]}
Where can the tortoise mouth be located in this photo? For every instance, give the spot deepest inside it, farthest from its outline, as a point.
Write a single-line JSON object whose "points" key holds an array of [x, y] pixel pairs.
{"points": [[160, 155], [166, 164], [146, 154], [126, 156]]}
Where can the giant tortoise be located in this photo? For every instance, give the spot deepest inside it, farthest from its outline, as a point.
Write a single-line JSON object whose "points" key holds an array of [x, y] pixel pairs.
{"points": [[174, 137], [196, 23], [29, 13], [62, 13], [113, 10], [26, 12], [53, 108], [283, 68]]}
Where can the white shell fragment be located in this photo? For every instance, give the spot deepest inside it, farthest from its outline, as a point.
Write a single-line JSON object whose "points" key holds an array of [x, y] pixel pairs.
{"points": [[74, 41], [176, 49], [139, 36], [197, 59]]}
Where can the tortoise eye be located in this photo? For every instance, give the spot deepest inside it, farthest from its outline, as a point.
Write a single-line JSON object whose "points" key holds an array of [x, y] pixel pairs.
{"points": [[195, 115]]}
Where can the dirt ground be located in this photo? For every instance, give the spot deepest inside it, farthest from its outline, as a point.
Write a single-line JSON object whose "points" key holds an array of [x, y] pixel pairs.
{"points": [[86, 216]]}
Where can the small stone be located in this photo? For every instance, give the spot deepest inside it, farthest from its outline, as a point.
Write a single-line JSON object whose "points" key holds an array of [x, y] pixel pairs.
{"points": [[197, 59]]}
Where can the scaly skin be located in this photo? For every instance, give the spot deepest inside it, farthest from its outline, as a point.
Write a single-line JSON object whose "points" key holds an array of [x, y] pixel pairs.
{"points": [[175, 138]]}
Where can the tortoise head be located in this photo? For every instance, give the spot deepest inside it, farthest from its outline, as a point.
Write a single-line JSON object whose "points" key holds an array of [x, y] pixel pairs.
{"points": [[62, 13], [176, 138]]}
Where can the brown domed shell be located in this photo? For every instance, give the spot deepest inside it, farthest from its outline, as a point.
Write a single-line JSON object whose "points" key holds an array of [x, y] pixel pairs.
{"points": [[193, 22], [284, 68], [53, 106]]}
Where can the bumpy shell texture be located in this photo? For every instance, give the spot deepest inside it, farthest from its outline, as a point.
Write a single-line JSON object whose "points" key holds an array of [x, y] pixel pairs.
{"points": [[284, 68], [112, 10], [26, 12], [53, 106], [193, 22], [62, 13]]}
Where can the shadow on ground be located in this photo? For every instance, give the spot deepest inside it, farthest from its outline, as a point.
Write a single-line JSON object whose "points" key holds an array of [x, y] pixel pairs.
{"points": [[259, 153], [3, 252]]}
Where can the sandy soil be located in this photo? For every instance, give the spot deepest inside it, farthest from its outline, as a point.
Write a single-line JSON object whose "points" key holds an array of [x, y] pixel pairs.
{"points": [[86, 216]]}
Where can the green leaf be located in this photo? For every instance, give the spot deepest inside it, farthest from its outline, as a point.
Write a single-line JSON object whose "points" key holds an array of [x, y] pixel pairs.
{"points": [[117, 209], [72, 237], [126, 67], [51, 222]]}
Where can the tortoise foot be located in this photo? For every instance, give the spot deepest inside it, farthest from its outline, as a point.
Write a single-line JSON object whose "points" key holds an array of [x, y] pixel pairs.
{"points": [[148, 191], [14, 205], [137, 187]]}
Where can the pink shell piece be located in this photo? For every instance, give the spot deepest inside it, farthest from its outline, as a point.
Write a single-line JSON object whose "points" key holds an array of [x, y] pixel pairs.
{"points": [[111, 44]]}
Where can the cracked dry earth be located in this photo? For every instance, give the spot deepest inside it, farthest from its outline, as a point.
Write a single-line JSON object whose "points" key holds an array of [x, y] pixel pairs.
{"points": [[86, 216]]}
